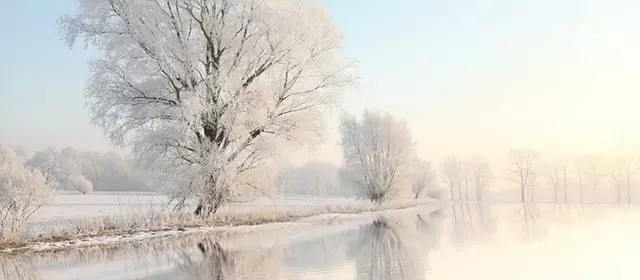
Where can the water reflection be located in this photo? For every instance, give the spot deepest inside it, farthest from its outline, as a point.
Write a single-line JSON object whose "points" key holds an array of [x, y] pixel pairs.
{"points": [[384, 252], [219, 263], [471, 221], [527, 216], [12, 269], [423, 243]]}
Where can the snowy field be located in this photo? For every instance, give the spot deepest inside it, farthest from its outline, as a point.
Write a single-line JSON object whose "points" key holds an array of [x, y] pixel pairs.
{"points": [[66, 208]]}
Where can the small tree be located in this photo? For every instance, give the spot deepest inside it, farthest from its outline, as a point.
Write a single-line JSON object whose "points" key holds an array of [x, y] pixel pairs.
{"points": [[451, 172], [481, 175], [594, 166], [555, 178], [423, 176], [622, 171], [23, 191], [522, 169], [579, 170], [378, 151]]}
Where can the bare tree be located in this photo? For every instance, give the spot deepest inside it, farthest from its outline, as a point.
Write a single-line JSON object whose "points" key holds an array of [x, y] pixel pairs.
{"points": [[593, 173], [378, 151], [451, 171], [210, 91], [564, 169], [423, 176], [579, 172], [622, 170], [522, 169], [481, 175], [466, 177], [555, 178]]}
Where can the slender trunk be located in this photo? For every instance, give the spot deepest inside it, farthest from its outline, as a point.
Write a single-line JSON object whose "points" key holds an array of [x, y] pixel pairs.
{"points": [[620, 193], [581, 194], [533, 193], [452, 192], [628, 189], [566, 199], [522, 193]]}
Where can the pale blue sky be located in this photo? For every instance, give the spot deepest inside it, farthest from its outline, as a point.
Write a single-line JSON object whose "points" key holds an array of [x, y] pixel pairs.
{"points": [[469, 76]]}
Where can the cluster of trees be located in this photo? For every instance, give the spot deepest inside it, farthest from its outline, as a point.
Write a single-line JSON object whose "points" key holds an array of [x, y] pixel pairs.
{"points": [[581, 174], [464, 175], [86, 171], [587, 178]]}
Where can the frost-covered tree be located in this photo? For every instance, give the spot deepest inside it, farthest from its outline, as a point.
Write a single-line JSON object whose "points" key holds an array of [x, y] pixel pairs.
{"points": [[622, 170], [48, 162], [422, 176], [23, 191], [522, 169], [452, 175], [378, 151], [208, 91], [481, 175]]}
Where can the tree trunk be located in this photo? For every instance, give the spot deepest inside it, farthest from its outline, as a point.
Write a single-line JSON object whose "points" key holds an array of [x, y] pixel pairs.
{"points": [[211, 201], [452, 193], [522, 194]]}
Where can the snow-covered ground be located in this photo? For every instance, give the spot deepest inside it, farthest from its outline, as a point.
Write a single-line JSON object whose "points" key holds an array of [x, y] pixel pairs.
{"points": [[68, 208]]}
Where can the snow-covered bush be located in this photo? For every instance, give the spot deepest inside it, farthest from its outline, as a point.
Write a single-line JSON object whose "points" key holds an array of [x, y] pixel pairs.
{"points": [[80, 183], [23, 191]]}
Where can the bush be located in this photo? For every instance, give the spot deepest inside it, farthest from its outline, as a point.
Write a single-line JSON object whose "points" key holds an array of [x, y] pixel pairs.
{"points": [[23, 191], [80, 183]]}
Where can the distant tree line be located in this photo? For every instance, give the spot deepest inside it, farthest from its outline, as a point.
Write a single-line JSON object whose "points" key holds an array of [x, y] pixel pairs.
{"points": [[87, 171]]}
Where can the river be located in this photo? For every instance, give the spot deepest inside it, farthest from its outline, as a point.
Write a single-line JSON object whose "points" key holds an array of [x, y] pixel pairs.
{"points": [[453, 241]]}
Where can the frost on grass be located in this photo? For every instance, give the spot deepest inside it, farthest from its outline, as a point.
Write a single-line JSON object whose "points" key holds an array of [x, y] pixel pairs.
{"points": [[378, 153], [210, 92], [23, 191]]}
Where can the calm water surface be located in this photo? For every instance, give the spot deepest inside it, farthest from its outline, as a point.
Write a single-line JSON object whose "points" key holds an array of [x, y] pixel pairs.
{"points": [[462, 241]]}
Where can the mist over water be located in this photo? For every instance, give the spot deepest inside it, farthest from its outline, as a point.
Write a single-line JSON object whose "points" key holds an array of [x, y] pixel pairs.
{"points": [[458, 241]]}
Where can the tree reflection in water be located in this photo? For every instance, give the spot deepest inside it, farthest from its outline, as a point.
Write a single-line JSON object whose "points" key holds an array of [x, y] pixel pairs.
{"points": [[219, 263], [384, 252], [13, 270], [471, 220], [528, 214]]}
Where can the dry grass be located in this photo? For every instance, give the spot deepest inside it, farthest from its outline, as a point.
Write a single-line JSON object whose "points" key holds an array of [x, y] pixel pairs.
{"points": [[154, 220]]}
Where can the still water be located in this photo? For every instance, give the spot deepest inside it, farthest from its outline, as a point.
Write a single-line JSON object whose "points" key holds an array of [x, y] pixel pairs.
{"points": [[461, 241]]}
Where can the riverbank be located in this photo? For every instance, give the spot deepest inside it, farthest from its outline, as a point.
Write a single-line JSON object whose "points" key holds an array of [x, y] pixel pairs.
{"points": [[167, 224]]}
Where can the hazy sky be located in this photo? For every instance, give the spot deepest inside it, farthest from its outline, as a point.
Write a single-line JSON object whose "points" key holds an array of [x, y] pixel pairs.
{"points": [[469, 76]]}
